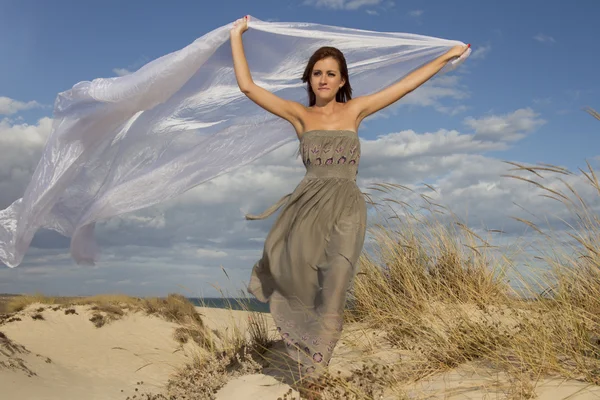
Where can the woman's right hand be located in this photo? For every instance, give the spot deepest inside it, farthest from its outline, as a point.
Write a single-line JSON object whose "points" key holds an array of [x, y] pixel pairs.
{"points": [[240, 26]]}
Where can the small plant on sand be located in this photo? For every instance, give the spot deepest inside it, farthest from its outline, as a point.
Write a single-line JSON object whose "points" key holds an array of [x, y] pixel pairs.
{"points": [[238, 351], [37, 316], [176, 308], [365, 383], [201, 379], [10, 356], [98, 320]]}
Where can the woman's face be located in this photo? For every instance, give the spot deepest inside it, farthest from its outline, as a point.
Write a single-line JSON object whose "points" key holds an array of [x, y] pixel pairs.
{"points": [[326, 79]]}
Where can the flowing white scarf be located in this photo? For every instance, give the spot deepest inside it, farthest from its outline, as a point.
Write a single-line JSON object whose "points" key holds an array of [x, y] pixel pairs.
{"points": [[122, 144]]}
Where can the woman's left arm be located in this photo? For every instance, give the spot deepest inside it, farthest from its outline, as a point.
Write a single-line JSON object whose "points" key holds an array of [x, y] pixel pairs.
{"points": [[370, 104]]}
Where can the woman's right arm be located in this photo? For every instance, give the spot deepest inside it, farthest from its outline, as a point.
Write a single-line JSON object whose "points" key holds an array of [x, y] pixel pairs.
{"points": [[288, 110]]}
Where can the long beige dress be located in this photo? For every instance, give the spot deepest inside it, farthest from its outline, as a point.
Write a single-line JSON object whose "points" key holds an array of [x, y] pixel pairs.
{"points": [[310, 255]]}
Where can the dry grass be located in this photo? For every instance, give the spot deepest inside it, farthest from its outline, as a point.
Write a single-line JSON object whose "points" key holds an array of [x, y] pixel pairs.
{"points": [[201, 379], [441, 291], [238, 351], [108, 301], [110, 307], [4, 300], [10, 356]]}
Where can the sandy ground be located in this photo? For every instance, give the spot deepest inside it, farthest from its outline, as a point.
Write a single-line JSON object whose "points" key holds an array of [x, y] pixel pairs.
{"points": [[72, 359], [64, 356]]}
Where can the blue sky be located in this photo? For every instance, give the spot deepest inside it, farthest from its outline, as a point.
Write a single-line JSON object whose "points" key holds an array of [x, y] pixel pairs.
{"points": [[536, 56], [540, 52]]}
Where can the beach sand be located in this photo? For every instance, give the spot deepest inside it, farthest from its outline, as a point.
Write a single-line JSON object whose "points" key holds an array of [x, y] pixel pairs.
{"points": [[47, 353]]}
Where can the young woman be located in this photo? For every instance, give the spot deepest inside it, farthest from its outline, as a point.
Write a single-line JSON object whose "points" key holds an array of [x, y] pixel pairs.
{"points": [[311, 252]]}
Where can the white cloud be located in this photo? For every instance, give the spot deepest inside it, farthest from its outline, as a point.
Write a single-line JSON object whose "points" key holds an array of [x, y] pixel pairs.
{"points": [[131, 67], [121, 71], [342, 4], [452, 111], [442, 93], [20, 148], [185, 241], [508, 127], [481, 52], [206, 253], [154, 221], [10, 106], [416, 13], [543, 38]]}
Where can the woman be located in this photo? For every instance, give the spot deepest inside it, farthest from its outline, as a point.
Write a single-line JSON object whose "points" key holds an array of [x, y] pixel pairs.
{"points": [[311, 253]]}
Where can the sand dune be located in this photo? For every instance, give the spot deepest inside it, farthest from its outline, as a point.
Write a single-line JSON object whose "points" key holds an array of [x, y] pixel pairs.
{"points": [[77, 360], [63, 355]]}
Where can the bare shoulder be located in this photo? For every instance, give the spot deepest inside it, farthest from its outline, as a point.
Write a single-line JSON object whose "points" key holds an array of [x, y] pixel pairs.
{"points": [[355, 103], [302, 115], [300, 109], [356, 106], [353, 110]]}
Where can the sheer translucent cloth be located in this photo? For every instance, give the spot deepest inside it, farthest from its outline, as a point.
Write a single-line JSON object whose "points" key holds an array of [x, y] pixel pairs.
{"points": [[125, 143]]}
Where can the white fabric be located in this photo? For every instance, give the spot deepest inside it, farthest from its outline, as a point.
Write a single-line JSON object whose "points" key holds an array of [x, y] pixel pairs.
{"points": [[126, 143]]}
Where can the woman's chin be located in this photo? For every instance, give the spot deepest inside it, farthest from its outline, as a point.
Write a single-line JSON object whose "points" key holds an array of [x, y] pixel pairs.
{"points": [[325, 97]]}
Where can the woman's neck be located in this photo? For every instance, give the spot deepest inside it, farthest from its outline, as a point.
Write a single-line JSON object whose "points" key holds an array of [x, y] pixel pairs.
{"points": [[329, 107]]}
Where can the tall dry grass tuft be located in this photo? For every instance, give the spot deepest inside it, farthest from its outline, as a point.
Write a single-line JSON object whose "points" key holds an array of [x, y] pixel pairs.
{"points": [[254, 337], [442, 292], [565, 336], [176, 308], [241, 349], [429, 283]]}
